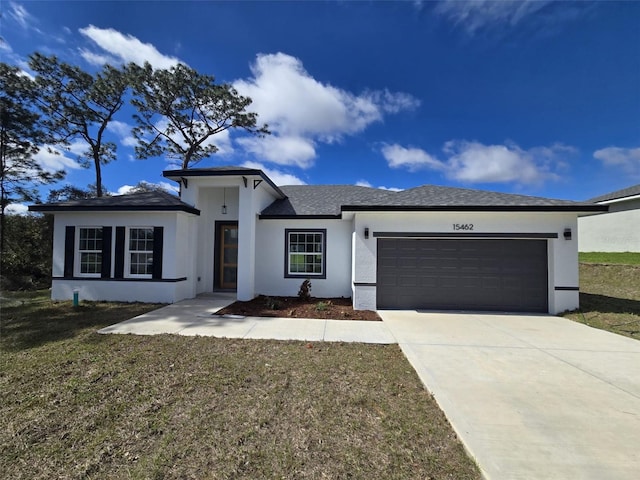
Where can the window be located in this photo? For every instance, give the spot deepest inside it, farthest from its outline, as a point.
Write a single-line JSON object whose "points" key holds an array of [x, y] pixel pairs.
{"points": [[141, 251], [305, 253], [90, 249]]}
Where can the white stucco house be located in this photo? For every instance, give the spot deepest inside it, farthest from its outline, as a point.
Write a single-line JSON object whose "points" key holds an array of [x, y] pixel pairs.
{"points": [[617, 230], [232, 228]]}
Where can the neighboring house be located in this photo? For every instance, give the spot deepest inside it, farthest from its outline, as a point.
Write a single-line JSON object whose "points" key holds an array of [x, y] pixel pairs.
{"points": [[615, 231], [428, 247]]}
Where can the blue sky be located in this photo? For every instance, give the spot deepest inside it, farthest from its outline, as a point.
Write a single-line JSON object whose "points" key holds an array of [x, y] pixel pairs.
{"points": [[537, 98]]}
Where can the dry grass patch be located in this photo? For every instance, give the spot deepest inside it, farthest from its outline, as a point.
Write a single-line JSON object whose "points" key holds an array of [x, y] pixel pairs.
{"points": [[75, 404], [610, 298]]}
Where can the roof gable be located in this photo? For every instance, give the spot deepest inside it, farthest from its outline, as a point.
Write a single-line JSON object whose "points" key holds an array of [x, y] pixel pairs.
{"points": [[223, 171]]}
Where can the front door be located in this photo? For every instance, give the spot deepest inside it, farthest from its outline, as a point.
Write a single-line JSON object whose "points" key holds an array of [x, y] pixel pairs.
{"points": [[228, 256]]}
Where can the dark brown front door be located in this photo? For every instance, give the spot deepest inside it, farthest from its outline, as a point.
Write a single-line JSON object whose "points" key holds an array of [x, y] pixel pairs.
{"points": [[228, 256]]}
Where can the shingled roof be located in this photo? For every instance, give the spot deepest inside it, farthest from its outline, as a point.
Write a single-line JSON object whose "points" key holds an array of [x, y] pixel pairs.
{"points": [[330, 200], [145, 202], [625, 192]]}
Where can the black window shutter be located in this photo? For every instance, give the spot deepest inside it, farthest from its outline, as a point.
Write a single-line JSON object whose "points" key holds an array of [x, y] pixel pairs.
{"points": [[69, 250], [158, 244], [106, 252], [119, 254]]}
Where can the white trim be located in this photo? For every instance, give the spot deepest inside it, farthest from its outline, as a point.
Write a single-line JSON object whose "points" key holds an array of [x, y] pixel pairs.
{"points": [[618, 200], [128, 252], [77, 252]]}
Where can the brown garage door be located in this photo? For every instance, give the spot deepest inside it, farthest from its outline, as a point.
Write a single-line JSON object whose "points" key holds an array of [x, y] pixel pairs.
{"points": [[462, 274]]}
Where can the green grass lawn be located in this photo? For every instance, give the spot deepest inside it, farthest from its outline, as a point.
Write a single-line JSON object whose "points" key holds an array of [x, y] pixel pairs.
{"points": [[75, 404], [610, 298], [623, 258]]}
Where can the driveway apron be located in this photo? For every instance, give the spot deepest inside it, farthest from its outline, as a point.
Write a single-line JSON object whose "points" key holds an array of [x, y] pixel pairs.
{"points": [[530, 396]]}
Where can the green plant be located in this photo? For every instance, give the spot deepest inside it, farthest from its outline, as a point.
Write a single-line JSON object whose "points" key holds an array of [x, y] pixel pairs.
{"points": [[305, 290], [322, 306], [273, 303]]}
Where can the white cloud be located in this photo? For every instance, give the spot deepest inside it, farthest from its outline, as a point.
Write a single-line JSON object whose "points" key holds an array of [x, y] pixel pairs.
{"points": [[626, 158], [527, 17], [51, 161], [277, 176], [97, 59], [123, 190], [393, 102], [78, 147], [123, 131], [283, 150], [125, 48], [20, 15], [365, 183], [410, 158], [23, 18], [4, 46], [17, 209], [302, 111], [474, 162], [479, 15], [169, 187], [222, 140]]}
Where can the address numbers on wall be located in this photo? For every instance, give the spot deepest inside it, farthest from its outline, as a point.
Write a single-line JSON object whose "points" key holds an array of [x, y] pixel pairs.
{"points": [[463, 226]]}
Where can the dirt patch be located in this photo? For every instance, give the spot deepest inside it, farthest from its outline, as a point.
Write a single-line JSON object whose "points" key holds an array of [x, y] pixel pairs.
{"points": [[295, 307]]}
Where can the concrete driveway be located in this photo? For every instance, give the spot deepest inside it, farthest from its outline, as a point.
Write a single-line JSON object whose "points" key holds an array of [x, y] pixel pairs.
{"points": [[531, 397]]}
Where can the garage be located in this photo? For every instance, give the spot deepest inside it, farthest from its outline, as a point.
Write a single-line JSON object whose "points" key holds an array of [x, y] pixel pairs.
{"points": [[462, 274]]}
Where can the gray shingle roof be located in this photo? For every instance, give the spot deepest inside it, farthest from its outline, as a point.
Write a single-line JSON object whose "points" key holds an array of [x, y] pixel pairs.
{"points": [[625, 192], [315, 200], [330, 200], [145, 201]]}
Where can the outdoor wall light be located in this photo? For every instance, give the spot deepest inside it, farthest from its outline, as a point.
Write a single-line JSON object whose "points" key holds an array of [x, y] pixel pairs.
{"points": [[366, 232], [567, 234], [224, 201]]}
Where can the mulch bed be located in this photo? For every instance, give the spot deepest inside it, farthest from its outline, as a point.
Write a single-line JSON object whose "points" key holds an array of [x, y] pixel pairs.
{"points": [[295, 307]]}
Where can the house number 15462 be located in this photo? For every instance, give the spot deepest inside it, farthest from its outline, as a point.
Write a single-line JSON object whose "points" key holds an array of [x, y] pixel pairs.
{"points": [[463, 226]]}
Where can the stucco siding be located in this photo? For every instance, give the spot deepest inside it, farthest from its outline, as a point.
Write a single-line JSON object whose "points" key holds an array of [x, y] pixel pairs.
{"points": [[175, 264], [616, 231], [562, 254], [270, 258], [117, 291], [210, 201]]}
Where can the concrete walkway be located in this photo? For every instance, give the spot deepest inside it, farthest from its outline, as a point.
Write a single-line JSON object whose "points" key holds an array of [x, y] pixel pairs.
{"points": [[197, 317], [531, 397]]}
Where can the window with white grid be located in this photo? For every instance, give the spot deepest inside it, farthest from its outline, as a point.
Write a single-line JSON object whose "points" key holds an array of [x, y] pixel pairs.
{"points": [[305, 253], [141, 251], [90, 250]]}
